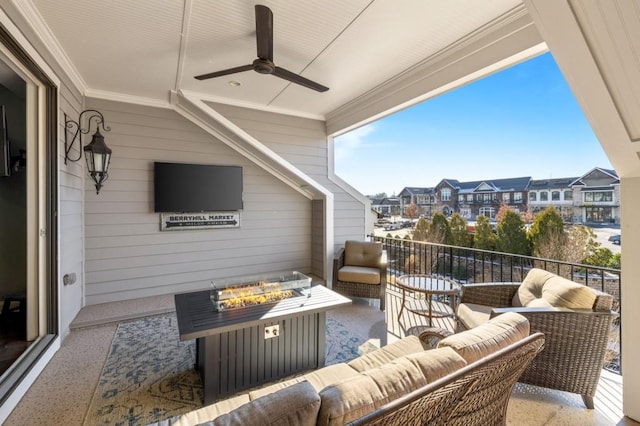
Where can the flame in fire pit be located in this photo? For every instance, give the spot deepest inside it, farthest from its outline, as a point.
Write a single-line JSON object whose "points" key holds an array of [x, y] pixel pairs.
{"points": [[259, 293]]}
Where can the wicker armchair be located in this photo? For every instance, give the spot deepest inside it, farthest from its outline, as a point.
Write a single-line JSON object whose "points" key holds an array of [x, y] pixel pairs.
{"points": [[360, 270], [576, 339]]}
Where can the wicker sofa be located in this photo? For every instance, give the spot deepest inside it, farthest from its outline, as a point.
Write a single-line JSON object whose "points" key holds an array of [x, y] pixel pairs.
{"points": [[467, 380], [360, 270], [575, 319]]}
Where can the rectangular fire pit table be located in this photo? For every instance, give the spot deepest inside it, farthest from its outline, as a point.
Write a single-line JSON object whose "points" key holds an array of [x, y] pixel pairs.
{"points": [[233, 352]]}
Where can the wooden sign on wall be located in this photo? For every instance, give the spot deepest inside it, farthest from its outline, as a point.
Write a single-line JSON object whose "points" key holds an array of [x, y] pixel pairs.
{"points": [[209, 220]]}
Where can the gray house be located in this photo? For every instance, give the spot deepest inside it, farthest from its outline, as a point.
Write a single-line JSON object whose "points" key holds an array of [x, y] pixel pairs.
{"points": [[126, 68]]}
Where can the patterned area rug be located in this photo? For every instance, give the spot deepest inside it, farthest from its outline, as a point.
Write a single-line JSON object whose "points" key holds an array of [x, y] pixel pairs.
{"points": [[149, 375]]}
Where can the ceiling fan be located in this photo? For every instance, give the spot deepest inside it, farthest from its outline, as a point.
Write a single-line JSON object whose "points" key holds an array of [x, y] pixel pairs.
{"points": [[264, 63]]}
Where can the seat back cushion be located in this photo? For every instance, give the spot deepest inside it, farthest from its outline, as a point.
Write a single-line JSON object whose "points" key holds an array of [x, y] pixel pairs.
{"points": [[297, 404], [388, 353], [359, 395], [362, 253], [485, 339], [543, 289], [319, 379]]}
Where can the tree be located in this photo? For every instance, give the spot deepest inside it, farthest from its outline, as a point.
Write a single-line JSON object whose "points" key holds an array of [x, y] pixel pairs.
{"points": [[460, 235], [582, 239], [439, 230], [484, 239], [527, 216], [600, 257], [378, 196], [412, 211], [512, 235], [501, 212], [421, 230], [547, 231]]}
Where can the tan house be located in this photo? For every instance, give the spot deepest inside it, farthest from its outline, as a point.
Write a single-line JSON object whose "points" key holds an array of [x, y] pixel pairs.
{"points": [[596, 197], [132, 65]]}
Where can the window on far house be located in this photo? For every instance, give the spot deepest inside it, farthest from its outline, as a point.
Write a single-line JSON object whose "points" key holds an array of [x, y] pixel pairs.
{"points": [[533, 196], [487, 211], [594, 197], [465, 212], [568, 195], [461, 198], [486, 198], [544, 196], [445, 194], [506, 197], [555, 195], [517, 197], [470, 197]]}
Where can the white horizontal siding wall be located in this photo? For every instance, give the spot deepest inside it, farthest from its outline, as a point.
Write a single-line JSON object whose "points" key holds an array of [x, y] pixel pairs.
{"points": [[302, 142], [126, 254], [70, 196]]}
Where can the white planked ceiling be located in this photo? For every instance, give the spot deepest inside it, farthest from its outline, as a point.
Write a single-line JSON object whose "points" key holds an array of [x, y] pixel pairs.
{"points": [[147, 48]]}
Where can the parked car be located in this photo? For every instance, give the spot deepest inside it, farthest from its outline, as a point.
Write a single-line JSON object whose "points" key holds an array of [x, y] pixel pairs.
{"points": [[393, 226], [615, 239]]}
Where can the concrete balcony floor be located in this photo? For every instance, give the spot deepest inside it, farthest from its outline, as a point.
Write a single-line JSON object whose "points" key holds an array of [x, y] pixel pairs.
{"points": [[62, 393]]}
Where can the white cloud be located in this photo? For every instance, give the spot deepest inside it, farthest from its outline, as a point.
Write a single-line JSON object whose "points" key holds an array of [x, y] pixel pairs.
{"points": [[346, 145]]}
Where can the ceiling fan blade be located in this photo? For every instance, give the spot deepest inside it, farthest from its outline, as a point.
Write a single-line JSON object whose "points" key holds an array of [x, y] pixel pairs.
{"points": [[264, 32], [224, 72], [298, 79]]}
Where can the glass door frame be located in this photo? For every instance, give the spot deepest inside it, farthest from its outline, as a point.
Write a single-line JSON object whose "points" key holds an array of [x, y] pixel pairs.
{"points": [[43, 231]]}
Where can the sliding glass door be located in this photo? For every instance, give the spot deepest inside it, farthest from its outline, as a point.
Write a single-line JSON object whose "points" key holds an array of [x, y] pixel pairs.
{"points": [[28, 226]]}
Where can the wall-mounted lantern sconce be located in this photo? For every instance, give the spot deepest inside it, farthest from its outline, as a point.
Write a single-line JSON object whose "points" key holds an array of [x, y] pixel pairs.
{"points": [[97, 153]]}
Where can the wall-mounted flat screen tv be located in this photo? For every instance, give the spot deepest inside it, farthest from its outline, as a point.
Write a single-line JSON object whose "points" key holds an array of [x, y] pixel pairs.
{"points": [[180, 187]]}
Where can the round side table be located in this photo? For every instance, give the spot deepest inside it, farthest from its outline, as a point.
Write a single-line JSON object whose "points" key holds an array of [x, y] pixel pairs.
{"points": [[430, 286]]}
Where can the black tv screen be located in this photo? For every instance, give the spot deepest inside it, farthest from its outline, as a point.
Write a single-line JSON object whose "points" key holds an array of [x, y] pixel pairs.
{"points": [[180, 187]]}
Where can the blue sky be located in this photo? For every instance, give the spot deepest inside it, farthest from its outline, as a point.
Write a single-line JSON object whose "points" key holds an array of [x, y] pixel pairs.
{"points": [[523, 121]]}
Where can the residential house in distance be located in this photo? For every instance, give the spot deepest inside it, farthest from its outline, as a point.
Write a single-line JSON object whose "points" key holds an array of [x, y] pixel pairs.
{"points": [[553, 192], [593, 198], [484, 197], [423, 198], [596, 197], [387, 206]]}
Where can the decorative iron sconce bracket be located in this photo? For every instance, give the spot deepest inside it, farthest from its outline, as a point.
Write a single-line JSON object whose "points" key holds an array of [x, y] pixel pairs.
{"points": [[97, 153]]}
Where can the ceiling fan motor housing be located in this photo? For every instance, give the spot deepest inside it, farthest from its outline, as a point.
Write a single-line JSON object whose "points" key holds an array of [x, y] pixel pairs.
{"points": [[263, 66]]}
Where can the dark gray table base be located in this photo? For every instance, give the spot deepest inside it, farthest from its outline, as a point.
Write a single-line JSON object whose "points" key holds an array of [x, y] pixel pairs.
{"points": [[232, 353], [241, 359]]}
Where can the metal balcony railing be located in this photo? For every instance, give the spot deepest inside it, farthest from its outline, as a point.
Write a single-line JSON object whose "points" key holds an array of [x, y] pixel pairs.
{"points": [[468, 265]]}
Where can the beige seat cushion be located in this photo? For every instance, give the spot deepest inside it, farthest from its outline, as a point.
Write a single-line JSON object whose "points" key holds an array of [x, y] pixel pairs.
{"points": [[485, 339], [297, 404], [373, 388], [362, 253], [359, 274], [386, 354], [319, 379], [472, 315], [544, 289]]}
